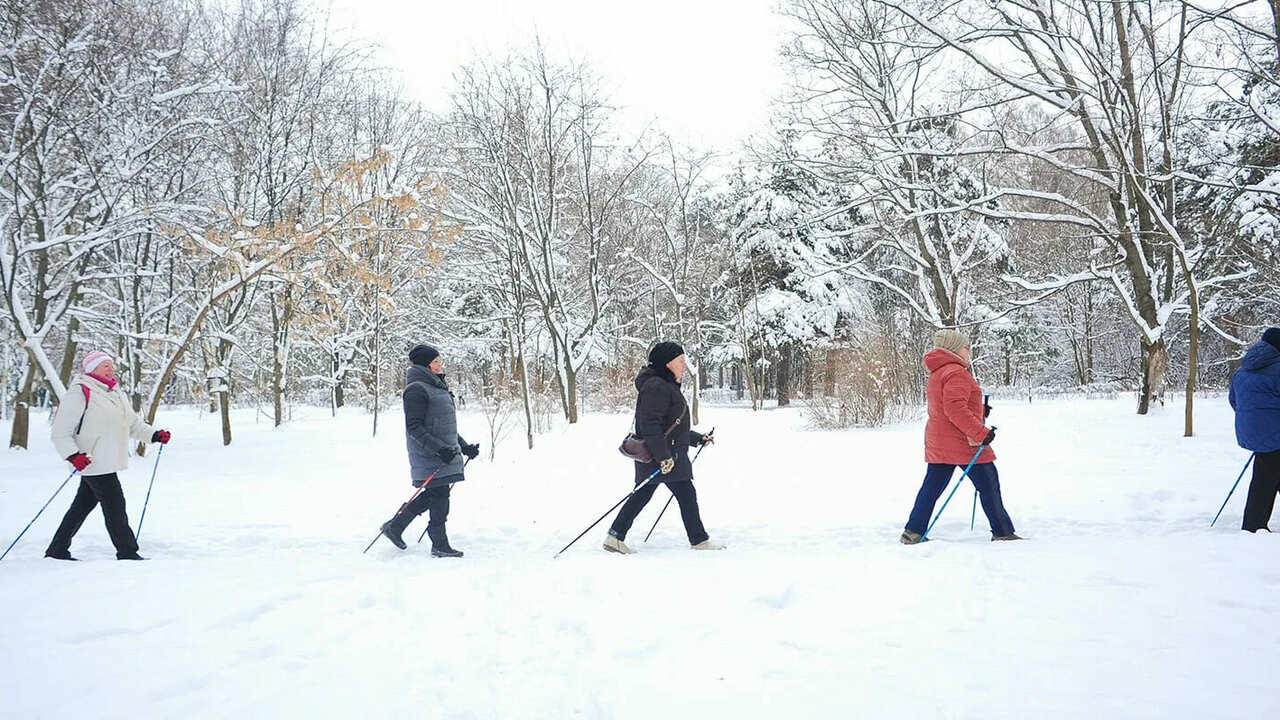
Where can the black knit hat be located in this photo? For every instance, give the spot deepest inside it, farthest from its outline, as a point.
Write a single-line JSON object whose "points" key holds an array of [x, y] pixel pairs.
{"points": [[1272, 335], [423, 355], [664, 352]]}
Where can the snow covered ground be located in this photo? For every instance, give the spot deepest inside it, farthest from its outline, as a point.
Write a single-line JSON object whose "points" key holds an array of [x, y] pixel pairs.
{"points": [[256, 601]]}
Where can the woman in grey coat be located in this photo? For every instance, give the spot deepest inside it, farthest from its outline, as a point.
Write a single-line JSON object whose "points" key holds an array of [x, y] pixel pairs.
{"points": [[435, 449]]}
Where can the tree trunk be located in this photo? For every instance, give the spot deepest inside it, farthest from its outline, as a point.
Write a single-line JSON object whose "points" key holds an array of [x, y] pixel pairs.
{"points": [[1088, 333], [277, 386], [808, 374], [69, 352], [1193, 350], [697, 387], [756, 400], [1155, 360], [783, 379], [523, 370], [339, 387], [19, 434], [571, 392]]}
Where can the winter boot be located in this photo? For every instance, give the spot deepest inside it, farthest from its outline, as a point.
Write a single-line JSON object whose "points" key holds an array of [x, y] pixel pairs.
{"points": [[912, 538], [394, 527], [1010, 536], [60, 556], [708, 545], [440, 544], [130, 556], [614, 544]]}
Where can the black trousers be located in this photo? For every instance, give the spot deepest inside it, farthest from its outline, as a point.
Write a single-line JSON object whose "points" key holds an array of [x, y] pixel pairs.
{"points": [[434, 500], [1262, 491], [686, 497], [95, 489]]}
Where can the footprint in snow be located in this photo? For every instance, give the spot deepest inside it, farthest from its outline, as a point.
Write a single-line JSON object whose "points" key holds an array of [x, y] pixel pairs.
{"points": [[778, 601]]}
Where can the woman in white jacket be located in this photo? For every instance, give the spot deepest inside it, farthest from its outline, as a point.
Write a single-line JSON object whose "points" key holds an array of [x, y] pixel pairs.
{"points": [[92, 429]]}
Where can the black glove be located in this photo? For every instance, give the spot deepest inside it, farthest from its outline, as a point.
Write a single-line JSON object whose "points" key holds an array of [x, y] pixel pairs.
{"points": [[991, 437], [447, 454], [697, 439], [472, 451], [986, 408]]}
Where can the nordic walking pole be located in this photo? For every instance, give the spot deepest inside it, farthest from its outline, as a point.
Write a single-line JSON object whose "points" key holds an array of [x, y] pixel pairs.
{"points": [[424, 530], [672, 497], [652, 475], [153, 482], [1233, 488], [424, 485], [33, 520], [973, 514], [963, 475]]}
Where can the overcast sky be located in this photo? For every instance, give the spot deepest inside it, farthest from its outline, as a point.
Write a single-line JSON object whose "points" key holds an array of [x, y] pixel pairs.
{"points": [[706, 69]]}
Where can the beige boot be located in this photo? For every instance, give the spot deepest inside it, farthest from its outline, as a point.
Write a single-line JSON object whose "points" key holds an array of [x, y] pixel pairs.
{"points": [[708, 545], [613, 544]]}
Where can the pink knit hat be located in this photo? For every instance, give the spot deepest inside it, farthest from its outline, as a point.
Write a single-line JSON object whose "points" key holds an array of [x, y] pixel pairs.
{"points": [[93, 360]]}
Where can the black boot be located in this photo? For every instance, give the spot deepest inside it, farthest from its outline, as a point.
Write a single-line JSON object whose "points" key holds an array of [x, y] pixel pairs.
{"points": [[394, 527], [440, 543], [59, 556]]}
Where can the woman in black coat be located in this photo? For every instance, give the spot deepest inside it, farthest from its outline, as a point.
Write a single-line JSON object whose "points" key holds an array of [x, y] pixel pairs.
{"points": [[662, 420]]}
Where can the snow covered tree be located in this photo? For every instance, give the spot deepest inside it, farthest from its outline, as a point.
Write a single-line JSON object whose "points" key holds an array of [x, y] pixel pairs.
{"points": [[95, 97], [535, 173]]}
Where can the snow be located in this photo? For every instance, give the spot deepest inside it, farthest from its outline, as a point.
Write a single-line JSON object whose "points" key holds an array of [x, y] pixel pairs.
{"points": [[256, 600]]}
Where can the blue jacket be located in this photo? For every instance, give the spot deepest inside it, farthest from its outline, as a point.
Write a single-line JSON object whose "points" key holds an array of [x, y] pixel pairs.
{"points": [[1255, 396]]}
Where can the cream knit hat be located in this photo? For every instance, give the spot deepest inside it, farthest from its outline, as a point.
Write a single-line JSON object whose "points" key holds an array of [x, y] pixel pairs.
{"points": [[952, 341]]}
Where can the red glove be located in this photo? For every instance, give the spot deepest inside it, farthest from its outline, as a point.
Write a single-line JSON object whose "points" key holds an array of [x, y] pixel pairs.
{"points": [[80, 461], [161, 436]]}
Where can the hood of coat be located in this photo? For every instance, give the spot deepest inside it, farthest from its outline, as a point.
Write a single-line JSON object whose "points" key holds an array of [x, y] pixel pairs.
{"points": [[937, 358], [650, 371], [420, 373], [1262, 355]]}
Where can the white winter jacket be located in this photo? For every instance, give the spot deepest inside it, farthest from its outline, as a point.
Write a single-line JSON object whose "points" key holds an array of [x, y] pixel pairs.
{"points": [[109, 422]]}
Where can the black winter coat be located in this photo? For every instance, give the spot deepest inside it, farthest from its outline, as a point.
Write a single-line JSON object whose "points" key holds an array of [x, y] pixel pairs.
{"points": [[658, 403]]}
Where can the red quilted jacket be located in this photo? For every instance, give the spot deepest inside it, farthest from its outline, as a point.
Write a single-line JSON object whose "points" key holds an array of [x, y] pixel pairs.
{"points": [[955, 428]]}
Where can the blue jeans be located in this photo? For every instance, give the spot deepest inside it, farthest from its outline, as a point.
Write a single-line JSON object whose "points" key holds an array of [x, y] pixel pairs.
{"points": [[985, 479]]}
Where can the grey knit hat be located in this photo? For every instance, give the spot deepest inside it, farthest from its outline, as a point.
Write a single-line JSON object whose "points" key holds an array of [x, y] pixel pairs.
{"points": [[953, 341]]}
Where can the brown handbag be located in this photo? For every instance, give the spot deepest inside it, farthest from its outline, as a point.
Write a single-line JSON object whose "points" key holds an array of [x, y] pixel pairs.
{"points": [[633, 445]]}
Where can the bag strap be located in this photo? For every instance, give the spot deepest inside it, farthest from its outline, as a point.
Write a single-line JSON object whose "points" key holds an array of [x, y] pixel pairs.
{"points": [[677, 422], [80, 424]]}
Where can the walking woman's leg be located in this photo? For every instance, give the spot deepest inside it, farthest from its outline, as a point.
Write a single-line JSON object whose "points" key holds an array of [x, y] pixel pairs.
{"points": [[107, 488], [81, 506], [1262, 491], [936, 479], [630, 509], [687, 497], [986, 479], [438, 505]]}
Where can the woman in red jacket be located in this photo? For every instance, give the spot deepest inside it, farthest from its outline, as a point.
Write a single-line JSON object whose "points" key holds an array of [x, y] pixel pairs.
{"points": [[952, 436]]}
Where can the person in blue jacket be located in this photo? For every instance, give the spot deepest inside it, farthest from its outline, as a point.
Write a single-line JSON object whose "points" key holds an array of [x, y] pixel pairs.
{"points": [[1255, 396]]}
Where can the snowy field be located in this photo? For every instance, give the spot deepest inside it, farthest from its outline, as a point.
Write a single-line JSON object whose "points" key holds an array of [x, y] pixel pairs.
{"points": [[257, 603]]}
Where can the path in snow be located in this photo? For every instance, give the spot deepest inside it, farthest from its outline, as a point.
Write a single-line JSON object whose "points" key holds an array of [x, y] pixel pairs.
{"points": [[256, 601]]}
